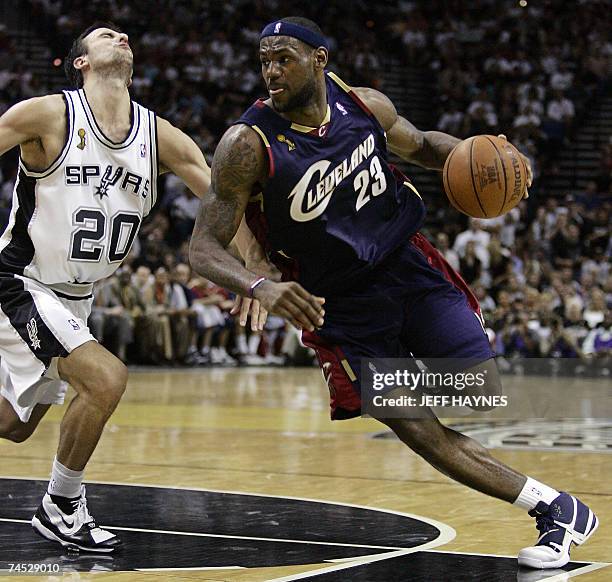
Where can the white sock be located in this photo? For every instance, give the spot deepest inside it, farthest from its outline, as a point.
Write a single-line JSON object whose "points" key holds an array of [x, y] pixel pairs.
{"points": [[64, 481], [533, 492], [254, 343], [242, 344]]}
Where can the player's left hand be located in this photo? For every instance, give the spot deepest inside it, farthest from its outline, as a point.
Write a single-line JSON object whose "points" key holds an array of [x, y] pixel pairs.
{"points": [[259, 264], [245, 306], [527, 165]]}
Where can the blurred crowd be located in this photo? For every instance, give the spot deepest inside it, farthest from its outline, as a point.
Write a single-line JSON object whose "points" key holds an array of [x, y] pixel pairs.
{"points": [[544, 286], [530, 68], [542, 272]]}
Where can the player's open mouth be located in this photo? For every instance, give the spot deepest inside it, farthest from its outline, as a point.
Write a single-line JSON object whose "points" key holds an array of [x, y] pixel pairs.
{"points": [[276, 91]]}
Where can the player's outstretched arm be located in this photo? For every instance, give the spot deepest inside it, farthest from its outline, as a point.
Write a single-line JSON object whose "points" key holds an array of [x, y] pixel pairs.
{"points": [[32, 120], [424, 148], [238, 165], [179, 154]]}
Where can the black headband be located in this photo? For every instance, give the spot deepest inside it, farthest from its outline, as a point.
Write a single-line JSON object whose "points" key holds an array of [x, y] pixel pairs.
{"points": [[280, 28]]}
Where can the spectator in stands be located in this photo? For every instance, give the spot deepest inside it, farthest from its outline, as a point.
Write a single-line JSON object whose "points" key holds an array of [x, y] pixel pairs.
{"points": [[112, 317], [449, 254], [470, 265], [560, 115], [182, 304], [212, 305], [562, 78], [565, 243], [596, 308], [452, 120], [481, 240], [414, 41], [487, 304], [519, 340], [183, 212], [597, 345]]}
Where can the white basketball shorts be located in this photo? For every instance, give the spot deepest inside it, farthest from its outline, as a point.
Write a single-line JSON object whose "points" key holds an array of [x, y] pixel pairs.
{"points": [[37, 326]]}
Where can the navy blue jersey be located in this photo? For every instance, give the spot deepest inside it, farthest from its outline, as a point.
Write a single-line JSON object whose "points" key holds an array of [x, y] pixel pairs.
{"points": [[332, 203]]}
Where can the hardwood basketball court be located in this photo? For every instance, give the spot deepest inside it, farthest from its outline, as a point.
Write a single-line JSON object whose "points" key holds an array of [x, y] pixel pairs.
{"points": [[239, 475]]}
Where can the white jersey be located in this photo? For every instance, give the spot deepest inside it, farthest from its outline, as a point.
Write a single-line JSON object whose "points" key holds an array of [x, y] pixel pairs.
{"points": [[75, 222]]}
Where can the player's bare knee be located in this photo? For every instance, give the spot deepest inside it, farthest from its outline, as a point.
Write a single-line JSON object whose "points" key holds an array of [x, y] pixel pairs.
{"points": [[112, 383], [20, 434], [105, 384], [15, 431], [8, 423]]}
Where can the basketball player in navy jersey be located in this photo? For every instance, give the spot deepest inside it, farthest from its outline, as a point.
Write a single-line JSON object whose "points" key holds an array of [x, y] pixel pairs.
{"points": [[88, 173], [340, 222]]}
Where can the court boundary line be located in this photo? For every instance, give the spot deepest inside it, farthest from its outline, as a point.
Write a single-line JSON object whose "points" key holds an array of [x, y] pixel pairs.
{"points": [[577, 572], [435, 523], [196, 569], [377, 558], [225, 536], [446, 535]]}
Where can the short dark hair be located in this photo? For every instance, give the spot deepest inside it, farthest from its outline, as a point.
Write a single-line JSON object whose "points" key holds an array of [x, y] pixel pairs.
{"points": [[79, 49], [304, 22]]}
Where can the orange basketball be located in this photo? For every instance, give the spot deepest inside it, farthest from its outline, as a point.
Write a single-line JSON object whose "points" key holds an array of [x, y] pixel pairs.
{"points": [[484, 176]]}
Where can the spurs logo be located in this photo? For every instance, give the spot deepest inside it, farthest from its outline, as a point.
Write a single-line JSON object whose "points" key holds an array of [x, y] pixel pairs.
{"points": [[85, 175], [283, 139], [81, 134], [32, 328], [277, 27], [108, 181]]}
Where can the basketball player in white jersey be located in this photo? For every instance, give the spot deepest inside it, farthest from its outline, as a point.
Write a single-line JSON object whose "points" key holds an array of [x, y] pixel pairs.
{"points": [[87, 177]]}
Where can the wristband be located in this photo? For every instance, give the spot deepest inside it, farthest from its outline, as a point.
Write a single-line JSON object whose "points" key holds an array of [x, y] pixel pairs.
{"points": [[254, 284]]}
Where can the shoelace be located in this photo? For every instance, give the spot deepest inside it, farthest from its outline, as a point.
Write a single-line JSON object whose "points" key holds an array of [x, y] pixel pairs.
{"points": [[544, 522], [80, 508]]}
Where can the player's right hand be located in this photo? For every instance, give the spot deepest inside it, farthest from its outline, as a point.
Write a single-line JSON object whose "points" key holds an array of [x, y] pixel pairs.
{"points": [[292, 302]]}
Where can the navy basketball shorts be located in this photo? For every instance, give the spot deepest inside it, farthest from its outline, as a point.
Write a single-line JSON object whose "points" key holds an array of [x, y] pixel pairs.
{"points": [[413, 305]]}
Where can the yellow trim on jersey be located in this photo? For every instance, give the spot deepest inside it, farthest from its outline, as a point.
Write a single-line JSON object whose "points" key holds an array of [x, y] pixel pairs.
{"points": [[258, 198], [262, 135], [339, 81], [348, 370], [413, 189], [306, 129]]}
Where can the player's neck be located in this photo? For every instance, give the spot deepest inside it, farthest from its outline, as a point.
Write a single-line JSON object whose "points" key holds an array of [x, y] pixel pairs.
{"points": [[313, 114], [109, 100]]}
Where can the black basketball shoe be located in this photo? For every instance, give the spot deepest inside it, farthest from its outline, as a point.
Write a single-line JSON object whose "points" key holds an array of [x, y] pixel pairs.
{"points": [[76, 531]]}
